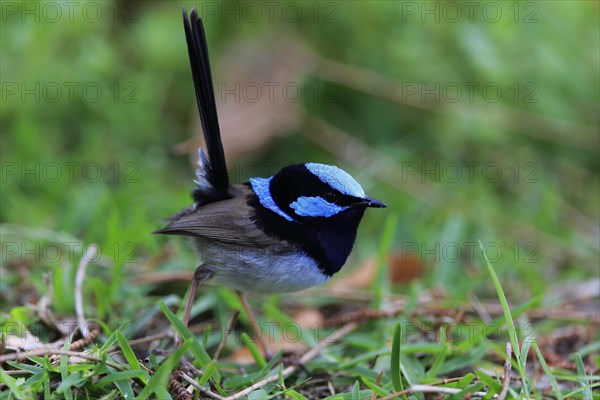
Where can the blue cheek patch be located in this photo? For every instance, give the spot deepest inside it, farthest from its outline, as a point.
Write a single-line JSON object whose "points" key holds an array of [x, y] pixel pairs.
{"points": [[263, 192], [315, 207]]}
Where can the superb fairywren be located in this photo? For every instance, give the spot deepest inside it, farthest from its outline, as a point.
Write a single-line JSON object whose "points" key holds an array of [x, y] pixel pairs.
{"points": [[285, 233]]}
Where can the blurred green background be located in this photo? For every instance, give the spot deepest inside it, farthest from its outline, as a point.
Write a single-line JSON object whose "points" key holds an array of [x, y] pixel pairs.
{"points": [[470, 121]]}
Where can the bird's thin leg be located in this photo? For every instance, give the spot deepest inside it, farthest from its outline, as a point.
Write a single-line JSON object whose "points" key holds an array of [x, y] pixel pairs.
{"points": [[254, 322], [190, 301], [201, 274]]}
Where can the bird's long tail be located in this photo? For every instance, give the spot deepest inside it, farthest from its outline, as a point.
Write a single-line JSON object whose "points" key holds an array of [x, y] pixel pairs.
{"points": [[212, 181]]}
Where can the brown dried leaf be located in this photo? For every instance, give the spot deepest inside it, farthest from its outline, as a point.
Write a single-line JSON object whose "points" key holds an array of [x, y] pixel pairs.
{"points": [[403, 268]]}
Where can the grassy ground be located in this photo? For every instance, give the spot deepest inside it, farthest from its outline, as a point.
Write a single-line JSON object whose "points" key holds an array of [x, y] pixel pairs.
{"points": [[477, 124]]}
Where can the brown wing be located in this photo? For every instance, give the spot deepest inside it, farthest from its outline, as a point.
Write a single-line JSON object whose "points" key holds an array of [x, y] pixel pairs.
{"points": [[225, 221]]}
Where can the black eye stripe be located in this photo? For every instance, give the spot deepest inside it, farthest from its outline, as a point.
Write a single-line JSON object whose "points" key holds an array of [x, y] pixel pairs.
{"points": [[331, 197], [335, 197], [346, 200]]}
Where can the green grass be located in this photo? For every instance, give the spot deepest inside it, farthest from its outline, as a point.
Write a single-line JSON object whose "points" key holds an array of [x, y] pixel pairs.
{"points": [[441, 312]]}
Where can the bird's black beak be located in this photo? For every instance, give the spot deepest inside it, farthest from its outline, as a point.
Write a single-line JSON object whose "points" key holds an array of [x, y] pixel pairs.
{"points": [[370, 203], [376, 204]]}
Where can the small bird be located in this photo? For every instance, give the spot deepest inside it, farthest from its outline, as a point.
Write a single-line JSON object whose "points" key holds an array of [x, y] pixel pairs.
{"points": [[285, 233]]}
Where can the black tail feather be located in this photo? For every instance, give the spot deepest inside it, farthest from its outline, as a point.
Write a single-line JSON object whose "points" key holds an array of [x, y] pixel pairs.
{"points": [[213, 180]]}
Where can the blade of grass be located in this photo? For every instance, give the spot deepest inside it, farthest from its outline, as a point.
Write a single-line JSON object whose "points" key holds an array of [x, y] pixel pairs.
{"points": [[522, 364], [364, 357], [12, 384], [356, 391], [471, 389], [587, 393], [295, 395], [494, 385], [75, 379], [259, 394], [365, 372], [26, 367], [256, 354], [64, 373], [208, 373], [125, 388], [379, 391], [465, 381], [395, 369], [129, 355], [119, 376], [35, 382], [272, 362], [441, 356], [46, 385], [546, 369], [512, 331], [285, 390], [581, 389], [527, 342], [110, 342], [413, 372], [240, 380], [465, 360], [196, 348], [158, 382]]}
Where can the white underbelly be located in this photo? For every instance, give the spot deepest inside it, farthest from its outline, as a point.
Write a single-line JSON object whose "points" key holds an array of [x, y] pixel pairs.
{"points": [[259, 270]]}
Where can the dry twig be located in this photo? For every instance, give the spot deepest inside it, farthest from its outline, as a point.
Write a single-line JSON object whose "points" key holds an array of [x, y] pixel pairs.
{"points": [[432, 389], [228, 330], [90, 253], [202, 389], [188, 366], [59, 352], [76, 345], [507, 370]]}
